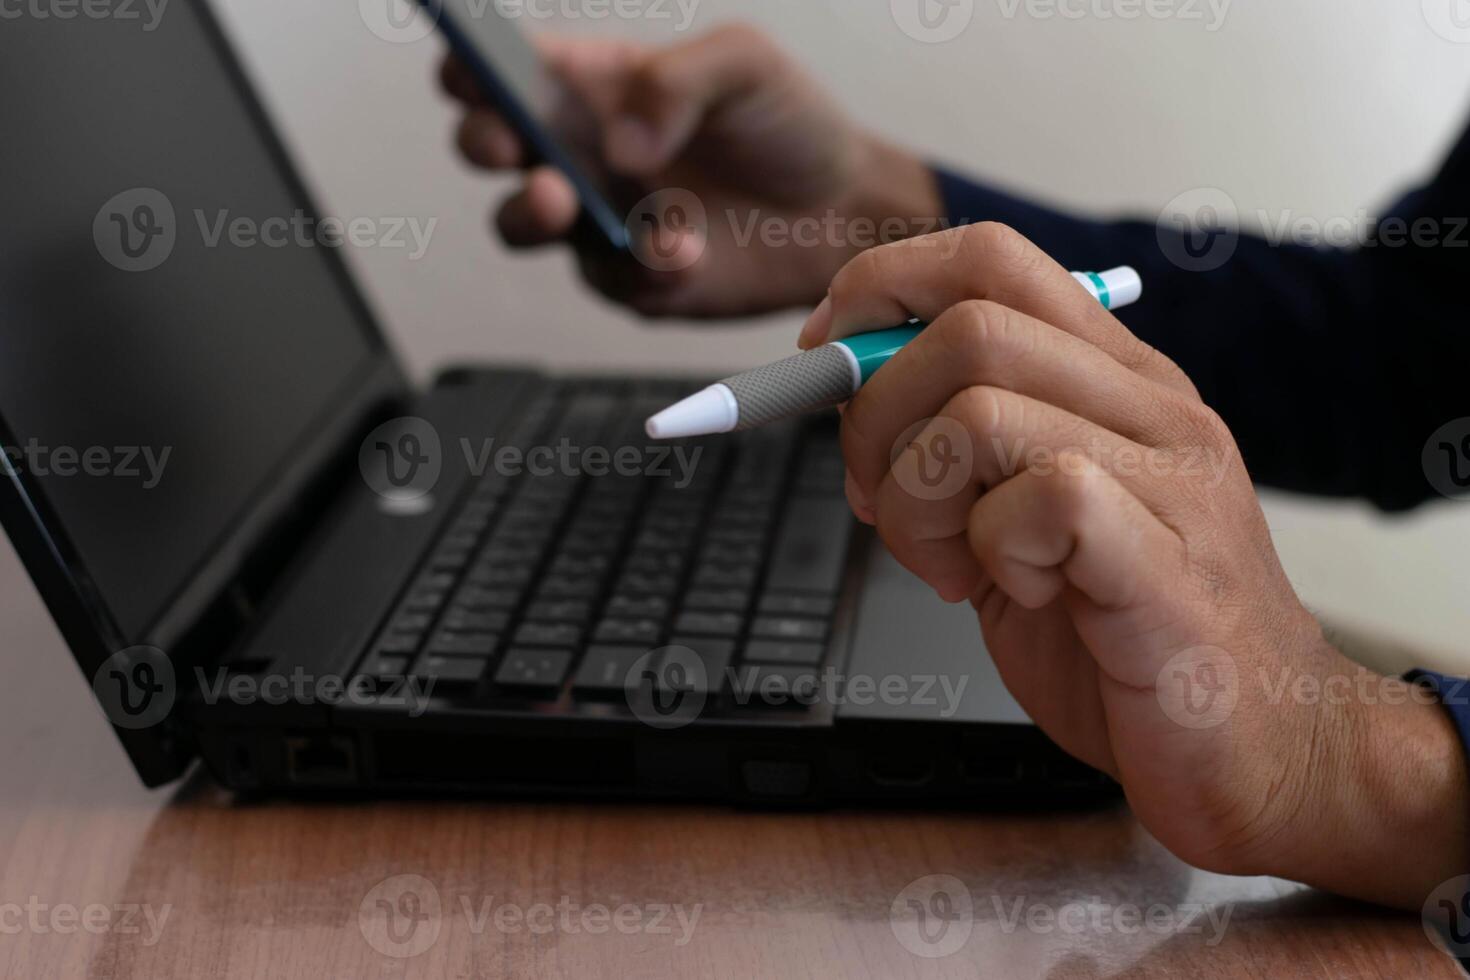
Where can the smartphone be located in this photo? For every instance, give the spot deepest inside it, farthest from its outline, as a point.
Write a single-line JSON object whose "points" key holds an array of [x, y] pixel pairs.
{"points": [[555, 125]]}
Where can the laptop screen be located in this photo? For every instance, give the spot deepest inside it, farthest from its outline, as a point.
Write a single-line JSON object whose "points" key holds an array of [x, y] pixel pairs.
{"points": [[171, 325]]}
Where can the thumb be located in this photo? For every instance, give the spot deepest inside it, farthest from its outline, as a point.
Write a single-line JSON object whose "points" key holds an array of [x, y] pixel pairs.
{"points": [[671, 91]]}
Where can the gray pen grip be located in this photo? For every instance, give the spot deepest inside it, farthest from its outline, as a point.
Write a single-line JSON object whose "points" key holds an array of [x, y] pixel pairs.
{"points": [[812, 380]]}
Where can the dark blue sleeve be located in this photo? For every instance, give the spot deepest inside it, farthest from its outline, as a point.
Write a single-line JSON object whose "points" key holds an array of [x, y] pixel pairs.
{"points": [[1453, 694], [1332, 367]]}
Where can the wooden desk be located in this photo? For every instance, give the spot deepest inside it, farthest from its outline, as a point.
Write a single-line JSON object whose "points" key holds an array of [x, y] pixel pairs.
{"points": [[284, 889]]}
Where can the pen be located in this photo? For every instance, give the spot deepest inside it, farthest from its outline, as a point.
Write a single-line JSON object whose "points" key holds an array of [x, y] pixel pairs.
{"points": [[828, 375]]}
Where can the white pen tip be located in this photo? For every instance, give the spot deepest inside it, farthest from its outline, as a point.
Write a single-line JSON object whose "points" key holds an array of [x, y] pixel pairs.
{"points": [[708, 412]]}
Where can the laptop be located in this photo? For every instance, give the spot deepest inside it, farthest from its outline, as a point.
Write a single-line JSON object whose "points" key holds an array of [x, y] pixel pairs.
{"points": [[268, 552]]}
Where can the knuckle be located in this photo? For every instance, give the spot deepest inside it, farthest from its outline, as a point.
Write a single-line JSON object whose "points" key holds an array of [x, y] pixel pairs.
{"points": [[996, 244], [981, 334], [982, 409]]}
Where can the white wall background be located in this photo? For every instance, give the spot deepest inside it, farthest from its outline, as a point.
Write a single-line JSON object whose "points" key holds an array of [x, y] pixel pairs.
{"points": [[1318, 107]]}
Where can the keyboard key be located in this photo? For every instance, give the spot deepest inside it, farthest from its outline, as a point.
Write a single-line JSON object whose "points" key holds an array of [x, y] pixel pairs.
{"points": [[569, 587], [399, 644], [654, 563], [578, 611], [777, 652], [787, 604], [410, 622], [709, 624], [465, 621], [635, 631], [449, 644], [384, 665], [604, 672], [514, 575], [450, 670], [581, 566], [715, 655], [639, 583], [477, 598], [759, 686], [534, 671], [548, 635], [789, 628], [721, 600], [638, 607], [450, 559], [425, 600], [811, 549], [716, 576]]}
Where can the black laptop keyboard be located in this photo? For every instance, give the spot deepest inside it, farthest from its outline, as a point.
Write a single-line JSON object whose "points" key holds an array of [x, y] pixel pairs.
{"points": [[553, 585]]}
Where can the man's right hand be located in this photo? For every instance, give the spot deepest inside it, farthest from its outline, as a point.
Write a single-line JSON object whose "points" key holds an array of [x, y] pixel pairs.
{"points": [[790, 189]]}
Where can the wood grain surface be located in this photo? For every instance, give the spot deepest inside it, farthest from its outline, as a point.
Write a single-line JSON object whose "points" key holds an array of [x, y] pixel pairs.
{"points": [[102, 878]]}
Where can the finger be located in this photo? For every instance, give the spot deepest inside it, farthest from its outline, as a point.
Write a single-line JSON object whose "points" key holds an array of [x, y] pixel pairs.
{"points": [[672, 89], [542, 212], [923, 277], [982, 437], [980, 342], [455, 79], [1077, 527], [486, 140]]}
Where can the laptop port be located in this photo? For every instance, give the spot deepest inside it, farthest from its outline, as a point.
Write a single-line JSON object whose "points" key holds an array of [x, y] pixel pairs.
{"points": [[896, 770], [321, 760]]}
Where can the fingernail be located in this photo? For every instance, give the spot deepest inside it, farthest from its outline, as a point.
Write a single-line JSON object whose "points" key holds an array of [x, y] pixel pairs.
{"points": [[818, 325]]}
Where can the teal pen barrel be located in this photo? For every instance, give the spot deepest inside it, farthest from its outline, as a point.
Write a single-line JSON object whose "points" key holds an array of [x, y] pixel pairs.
{"points": [[873, 350]]}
